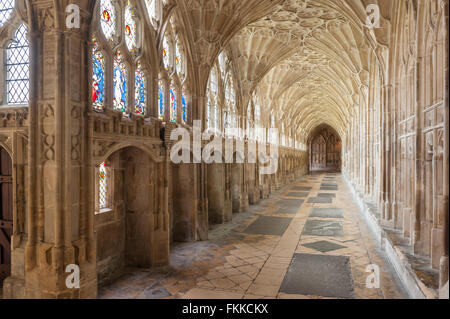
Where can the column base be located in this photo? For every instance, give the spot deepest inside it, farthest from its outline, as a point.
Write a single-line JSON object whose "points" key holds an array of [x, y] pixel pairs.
{"points": [[443, 273], [13, 288]]}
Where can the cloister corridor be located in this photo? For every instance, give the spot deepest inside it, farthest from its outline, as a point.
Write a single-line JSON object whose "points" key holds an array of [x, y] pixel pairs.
{"points": [[237, 149], [304, 241]]}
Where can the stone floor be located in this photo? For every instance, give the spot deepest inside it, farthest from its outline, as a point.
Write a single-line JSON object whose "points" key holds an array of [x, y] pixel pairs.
{"points": [[280, 248]]}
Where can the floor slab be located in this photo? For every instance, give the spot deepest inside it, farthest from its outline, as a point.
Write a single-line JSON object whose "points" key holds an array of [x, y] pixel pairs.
{"points": [[315, 227], [269, 225], [297, 194], [236, 264], [327, 213], [320, 200], [319, 275], [324, 246]]}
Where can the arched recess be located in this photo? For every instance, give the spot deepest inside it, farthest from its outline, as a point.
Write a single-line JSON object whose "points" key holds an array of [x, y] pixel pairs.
{"points": [[6, 214], [325, 148], [130, 224]]}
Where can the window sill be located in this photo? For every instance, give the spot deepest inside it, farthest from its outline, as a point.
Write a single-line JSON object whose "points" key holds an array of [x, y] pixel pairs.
{"points": [[13, 106], [104, 211]]}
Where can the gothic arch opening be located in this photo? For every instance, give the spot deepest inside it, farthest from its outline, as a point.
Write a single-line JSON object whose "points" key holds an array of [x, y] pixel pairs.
{"points": [[129, 217], [325, 147], [6, 214]]}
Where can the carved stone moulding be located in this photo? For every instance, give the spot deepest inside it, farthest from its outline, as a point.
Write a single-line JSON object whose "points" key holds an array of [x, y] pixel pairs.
{"points": [[114, 122], [14, 117]]}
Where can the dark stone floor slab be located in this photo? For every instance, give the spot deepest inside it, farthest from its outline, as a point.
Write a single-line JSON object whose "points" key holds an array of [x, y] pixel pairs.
{"points": [[328, 188], [324, 246], [291, 202], [287, 210], [315, 227], [328, 185], [297, 194], [326, 195], [301, 188], [319, 275], [269, 225], [320, 200], [327, 213]]}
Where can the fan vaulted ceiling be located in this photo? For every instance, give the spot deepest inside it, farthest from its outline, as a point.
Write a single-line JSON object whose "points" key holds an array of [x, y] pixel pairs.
{"points": [[307, 61]]}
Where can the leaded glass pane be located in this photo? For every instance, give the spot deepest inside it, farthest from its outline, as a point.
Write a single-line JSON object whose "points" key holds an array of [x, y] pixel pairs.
{"points": [[108, 18], [166, 53], [130, 28], [102, 186], [179, 61], [6, 9], [184, 108], [120, 83], [140, 90], [173, 106], [151, 10], [217, 116], [209, 119], [257, 113], [17, 68], [98, 77], [161, 100]]}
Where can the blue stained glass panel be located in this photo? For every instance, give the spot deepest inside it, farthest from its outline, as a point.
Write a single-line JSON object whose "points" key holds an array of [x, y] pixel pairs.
{"points": [[183, 108], [120, 84], [161, 102], [173, 107], [98, 72], [140, 91]]}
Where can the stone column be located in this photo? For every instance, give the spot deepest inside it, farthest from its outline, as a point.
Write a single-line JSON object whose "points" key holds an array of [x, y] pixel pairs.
{"points": [[59, 223]]}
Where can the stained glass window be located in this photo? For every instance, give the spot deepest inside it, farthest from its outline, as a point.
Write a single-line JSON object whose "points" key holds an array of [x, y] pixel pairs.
{"points": [[209, 114], [217, 116], [140, 90], [213, 82], [173, 105], [257, 113], [151, 10], [108, 18], [102, 186], [161, 100], [120, 83], [6, 9], [130, 28], [222, 62], [98, 73], [17, 68], [179, 61], [183, 108], [166, 53]]}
